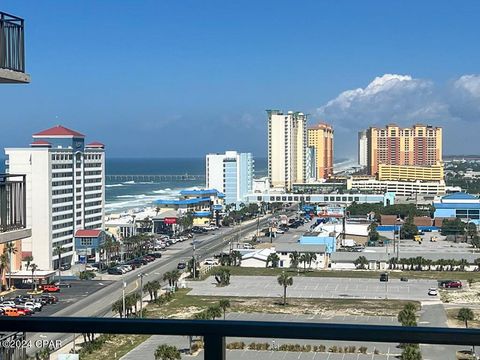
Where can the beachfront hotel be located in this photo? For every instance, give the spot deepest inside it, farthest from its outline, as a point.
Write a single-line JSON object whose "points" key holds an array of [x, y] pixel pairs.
{"points": [[320, 137], [230, 173], [65, 191], [420, 145], [287, 148]]}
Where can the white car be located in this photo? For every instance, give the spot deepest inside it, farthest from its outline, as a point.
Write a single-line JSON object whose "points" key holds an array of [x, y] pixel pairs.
{"points": [[127, 268], [90, 268], [33, 306], [210, 262], [280, 231], [247, 246], [9, 304], [433, 292]]}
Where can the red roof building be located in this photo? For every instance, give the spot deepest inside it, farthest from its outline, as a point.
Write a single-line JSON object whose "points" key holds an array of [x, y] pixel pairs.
{"points": [[88, 233], [40, 143], [58, 131], [96, 144]]}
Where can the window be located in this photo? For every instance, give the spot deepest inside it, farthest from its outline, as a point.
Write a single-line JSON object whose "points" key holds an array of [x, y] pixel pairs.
{"points": [[85, 242]]}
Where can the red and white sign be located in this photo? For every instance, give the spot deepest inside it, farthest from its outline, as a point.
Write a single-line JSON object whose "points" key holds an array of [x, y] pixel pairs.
{"points": [[170, 221]]}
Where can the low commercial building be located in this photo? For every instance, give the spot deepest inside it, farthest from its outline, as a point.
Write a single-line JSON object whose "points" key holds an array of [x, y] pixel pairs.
{"points": [[410, 173], [344, 199], [257, 259], [346, 260], [400, 188], [88, 244], [205, 205], [284, 250], [458, 205]]}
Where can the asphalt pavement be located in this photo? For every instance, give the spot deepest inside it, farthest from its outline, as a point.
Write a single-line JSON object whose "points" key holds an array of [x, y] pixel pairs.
{"points": [[99, 303], [316, 287]]}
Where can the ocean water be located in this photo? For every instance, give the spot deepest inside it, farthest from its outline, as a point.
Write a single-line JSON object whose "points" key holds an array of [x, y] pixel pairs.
{"points": [[123, 195]]}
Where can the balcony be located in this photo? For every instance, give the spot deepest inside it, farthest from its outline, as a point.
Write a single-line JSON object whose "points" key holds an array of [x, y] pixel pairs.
{"points": [[12, 50], [214, 333], [13, 208]]}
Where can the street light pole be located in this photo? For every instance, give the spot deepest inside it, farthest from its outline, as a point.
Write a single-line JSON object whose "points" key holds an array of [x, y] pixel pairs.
{"points": [[124, 285], [194, 264], [141, 275]]}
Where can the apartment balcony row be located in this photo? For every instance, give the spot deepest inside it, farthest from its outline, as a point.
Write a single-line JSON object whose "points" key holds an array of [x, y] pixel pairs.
{"points": [[12, 50], [215, 333], [13, 208]]}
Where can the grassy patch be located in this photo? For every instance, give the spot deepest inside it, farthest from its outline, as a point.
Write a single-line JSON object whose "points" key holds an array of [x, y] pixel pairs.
{"points": [[454, 322], [116, 347], [185, 306], [395, 274]]}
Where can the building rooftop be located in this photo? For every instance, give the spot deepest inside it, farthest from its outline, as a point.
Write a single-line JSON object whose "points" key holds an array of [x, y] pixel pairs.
{"points": [[206, 192], [459, 196], [40, 143], [59, 131], [300, 248], [181, 202], [96, 144], [88, 233]]}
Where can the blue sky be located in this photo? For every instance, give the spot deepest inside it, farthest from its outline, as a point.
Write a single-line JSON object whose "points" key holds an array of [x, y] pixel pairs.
{"points": [[182, 78]]}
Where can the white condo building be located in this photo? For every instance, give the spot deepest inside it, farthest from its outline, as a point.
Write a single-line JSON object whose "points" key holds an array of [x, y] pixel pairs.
{"points": [[65, 191], [362, 148], [287, 148], [230, 173]]}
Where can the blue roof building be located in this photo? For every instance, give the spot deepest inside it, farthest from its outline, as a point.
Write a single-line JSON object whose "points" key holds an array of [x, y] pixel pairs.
{"points": [[460, 205]]}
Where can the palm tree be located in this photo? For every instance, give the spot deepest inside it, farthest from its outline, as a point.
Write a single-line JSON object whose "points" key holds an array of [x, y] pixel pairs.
{"points": [[3, 266], [429, 263], [222, 277], [167, 352], [224, 304], [33, 268], [59, 250], [157, 210], [477, 262], [310, 258], [28, 259], [285, 281], [172, 277], [294, 259], [236, 255], [117, 307], [361, 262], [11, 249], [274, 259], [214, 312], [303, 260], [462, 263], [411, 352], [392, 263], [465, 315]]}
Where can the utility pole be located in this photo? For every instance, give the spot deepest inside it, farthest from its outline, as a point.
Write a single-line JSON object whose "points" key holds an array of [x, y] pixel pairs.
{"points": [[194, 263], [124, 285], [141, 275]]}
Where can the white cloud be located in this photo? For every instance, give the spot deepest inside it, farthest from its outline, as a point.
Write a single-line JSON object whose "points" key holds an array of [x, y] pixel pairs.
{"points": [[405, 100]]}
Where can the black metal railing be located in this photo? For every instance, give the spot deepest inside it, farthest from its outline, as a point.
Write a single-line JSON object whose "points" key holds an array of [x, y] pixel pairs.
{"points": [[12, 202], [215, 332], [12, 47]]}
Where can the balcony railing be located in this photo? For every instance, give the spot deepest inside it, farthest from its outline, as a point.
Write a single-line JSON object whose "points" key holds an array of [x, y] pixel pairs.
{"points": [[12, 50], [12, 202], [215, 332]]}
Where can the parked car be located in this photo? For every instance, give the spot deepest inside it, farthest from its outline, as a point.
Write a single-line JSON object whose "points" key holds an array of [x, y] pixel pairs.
{"points": [[9, 303], [65, 267], [24, 310], [433, 292], [452, 284], [384, 277], [12, 312], [63, 285], [403, 278], [210, 262], [51, 299], [114, 271], [50, 288], [280, 231], [181, 265], [247, 246], [156, 255], [33, 305]]}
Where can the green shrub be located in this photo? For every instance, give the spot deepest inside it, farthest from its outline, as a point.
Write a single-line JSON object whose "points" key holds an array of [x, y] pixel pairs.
{"points": [[362, 349], [333, 349]]}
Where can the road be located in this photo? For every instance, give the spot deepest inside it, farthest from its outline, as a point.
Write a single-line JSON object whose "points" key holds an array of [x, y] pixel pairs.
{"points": [[100, 302]]}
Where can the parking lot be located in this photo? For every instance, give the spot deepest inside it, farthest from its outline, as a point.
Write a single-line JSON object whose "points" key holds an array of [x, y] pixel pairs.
{"points": [[312, 287], [66, 296]]}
